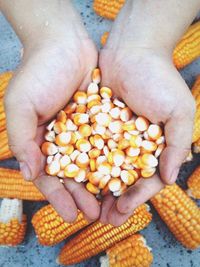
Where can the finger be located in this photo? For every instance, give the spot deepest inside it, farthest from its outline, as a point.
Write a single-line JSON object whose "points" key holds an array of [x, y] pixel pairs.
{"points": [[85, 201], [108, 202], [21, 122], [136, 195], [58, 196], [178, 133]]}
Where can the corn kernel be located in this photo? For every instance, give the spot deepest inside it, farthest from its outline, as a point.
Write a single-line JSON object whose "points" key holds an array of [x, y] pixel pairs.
{"points": [[126, 114], [64, 161], [81, 119], [103, 119], [92, 165], [141, 124], [135, 141], [71, 170], [98, 142], [149, 160], [81, 108], [49, 149], [146, 173], [159, 150], [118, 103], [82, 160], [94, 103], [94, 153], [118, 157], [85, 130], [114, 184], [66, 150], [80, 177], [104, 168], [96, 75], [59, 127], [92, 188], [94, 178], [53, 168], [116, 126], [149, 146], [62, 117], [105, 92], [50, 136], [74, 155], [132, 152], [115, 113], [50, 126], [104, 181], [70, 108], [129, 126], [92, 89], [80, 97], [83, 145], [63, 138], [154, 131], [115, 171]]}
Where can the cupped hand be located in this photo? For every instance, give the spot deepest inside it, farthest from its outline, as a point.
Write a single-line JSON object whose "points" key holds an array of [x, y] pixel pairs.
{"points": [[145, 78], [51, 70]]}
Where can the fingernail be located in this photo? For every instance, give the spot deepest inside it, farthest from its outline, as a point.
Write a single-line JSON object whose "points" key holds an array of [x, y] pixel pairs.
{"points": [[174, 175], [25, 171]]}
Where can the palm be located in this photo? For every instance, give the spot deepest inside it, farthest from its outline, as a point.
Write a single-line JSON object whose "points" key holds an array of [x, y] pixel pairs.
{"points": [[150, 86]]}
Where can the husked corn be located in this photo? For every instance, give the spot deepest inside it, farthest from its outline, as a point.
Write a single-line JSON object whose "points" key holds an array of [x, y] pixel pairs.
{"points": [[96, 139]]}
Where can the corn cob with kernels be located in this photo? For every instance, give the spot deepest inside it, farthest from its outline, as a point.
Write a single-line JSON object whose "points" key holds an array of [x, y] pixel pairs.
{"points": [[99, 237], [196, 95], [180, 213], [51, 229], [5, 152], [188, 48], [12, 222], [13, 185], [2, 116], [130, 252], [98, 140], [4, 80], [193, 184], [108, 8]]}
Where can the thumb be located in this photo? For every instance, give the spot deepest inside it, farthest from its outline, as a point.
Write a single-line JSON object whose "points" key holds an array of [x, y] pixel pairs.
{"points": [[21, 120], [178, 133]]}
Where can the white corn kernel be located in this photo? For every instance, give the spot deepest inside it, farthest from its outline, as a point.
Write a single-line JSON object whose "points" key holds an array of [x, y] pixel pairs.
{"points": [[82, 160], [49, 149], [149, 160], [149, 145], [63, 139], [126, 114], [70, 125], [106, 107], [132, 152], [159, 150], [83, 145], [74, 155], [160, 140], [114, 184], [64, 161], [141, 124], [57, 156], [92, 89], [100, 160], [50, 136], [80, 177], [50, 126], [53, 168], [81, 118], [49, 159], [111, 144], [127, 136], [95, 109], [104, 168], [116, 126], [105, 92], [96, 75], [118, 157], [118, 103], [115, 113], [71, 170], [115, 172], [104, 180], [154, 131], [80, 97], [103, 119]]}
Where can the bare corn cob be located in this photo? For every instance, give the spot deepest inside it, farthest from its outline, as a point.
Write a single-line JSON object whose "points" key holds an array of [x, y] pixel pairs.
{"points": [[52, 229], [4, 80], [193, 183], [5, 152], [131, 252], [180, 213], [99, 237], [108, 8], [12, 222], [12, 185], [188, 48], [196, 95]]}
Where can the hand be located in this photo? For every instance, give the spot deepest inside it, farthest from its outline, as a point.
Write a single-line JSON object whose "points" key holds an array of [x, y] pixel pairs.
{"points": [[145, 78], [52, 69]]}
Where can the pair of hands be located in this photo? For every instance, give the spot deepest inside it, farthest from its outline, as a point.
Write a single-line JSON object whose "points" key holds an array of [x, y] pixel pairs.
{"points": [[53, 68]]}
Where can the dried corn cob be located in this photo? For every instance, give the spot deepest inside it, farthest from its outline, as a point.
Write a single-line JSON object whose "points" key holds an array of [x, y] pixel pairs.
{"points": [[196, 95], [4, 80], [193, 183], [108, 8], [180, 213], [2, 116], [130, 252], [99, 237], [12, 222], [52, 229], [5, 152], [12, 185], [188, 48]]}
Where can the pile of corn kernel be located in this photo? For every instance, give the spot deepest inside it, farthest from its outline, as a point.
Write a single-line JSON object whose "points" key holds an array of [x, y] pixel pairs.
{"points": [[98, 140]]}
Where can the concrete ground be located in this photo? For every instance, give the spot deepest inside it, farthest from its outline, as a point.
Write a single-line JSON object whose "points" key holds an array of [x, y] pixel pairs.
{"points": [[167, 251]]}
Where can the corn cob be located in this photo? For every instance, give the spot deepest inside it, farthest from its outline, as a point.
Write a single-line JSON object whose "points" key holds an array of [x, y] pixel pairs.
{"points": [[108, 8], [4, 80], [99, 237], [130, 252], [12, 222], [5, 152], [196, 95], [180, 213], [52, 229], [193, 183], [188, 48], [2, 116], [12, 185]]}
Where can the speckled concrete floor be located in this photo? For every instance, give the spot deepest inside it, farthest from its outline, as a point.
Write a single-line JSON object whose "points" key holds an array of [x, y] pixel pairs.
{"points": [[167, 251]]}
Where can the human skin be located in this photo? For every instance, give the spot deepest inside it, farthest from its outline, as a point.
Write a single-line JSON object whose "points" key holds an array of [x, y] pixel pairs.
{"points": [[58, 59], [137, 63]]}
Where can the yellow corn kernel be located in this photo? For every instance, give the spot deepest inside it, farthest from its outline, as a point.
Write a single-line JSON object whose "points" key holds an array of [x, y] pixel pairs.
{"points": [[80, 97], [92, 165], [193, 184], [81, 108], [49, 148], [85, 130], [94, 153], [96, 75], [62, 117], [71, 170], [135, 141], [83, 145], [123, 144], [141, 124], [154, 131], [59, 127], [63, 138], [80, 119], [82, 160], [118, 157], [146, 173], [70, 108], [105, 92], [92, 188]]}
